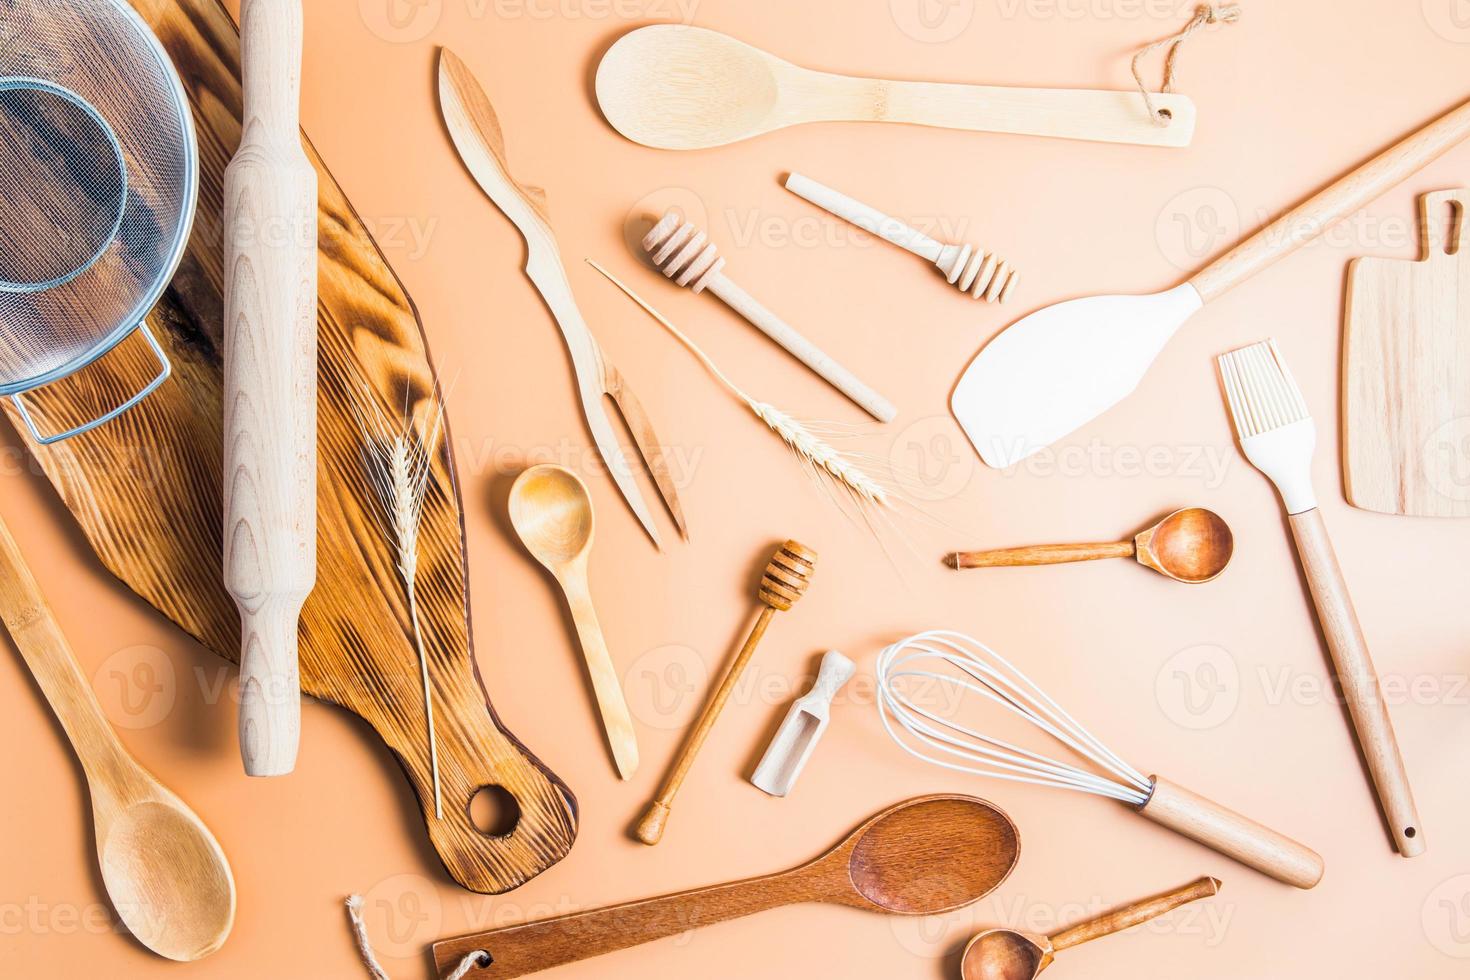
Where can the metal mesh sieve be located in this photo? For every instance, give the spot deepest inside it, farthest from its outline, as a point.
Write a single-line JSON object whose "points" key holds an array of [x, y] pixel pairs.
{"points": [[98, 181]]}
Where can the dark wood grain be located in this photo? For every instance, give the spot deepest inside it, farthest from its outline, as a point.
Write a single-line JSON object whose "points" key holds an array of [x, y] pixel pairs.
{"points": [[146, 490]]}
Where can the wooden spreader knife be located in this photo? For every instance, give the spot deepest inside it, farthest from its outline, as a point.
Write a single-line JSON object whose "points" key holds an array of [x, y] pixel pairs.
{"points": [[475, 130]]}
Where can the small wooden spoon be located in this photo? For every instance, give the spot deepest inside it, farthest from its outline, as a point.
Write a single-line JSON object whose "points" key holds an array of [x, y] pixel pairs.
{"points": [[552, 513], [687, 88], [164, 871], [1005, 954], [1191, 546], [924, 857]]}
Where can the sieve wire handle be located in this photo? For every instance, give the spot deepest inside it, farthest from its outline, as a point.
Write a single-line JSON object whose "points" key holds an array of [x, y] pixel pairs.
{"points": [[166, 369]]}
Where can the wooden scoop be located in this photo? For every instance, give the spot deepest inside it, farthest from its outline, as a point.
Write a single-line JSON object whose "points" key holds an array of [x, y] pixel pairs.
{"points": [[688, 88], [1191, 546], [552, 512], [1005, 954], [924, 857], [164, 871]]}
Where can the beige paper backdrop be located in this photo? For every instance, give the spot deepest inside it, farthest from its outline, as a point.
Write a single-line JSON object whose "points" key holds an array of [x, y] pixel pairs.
{"points": [[1222, 686]]}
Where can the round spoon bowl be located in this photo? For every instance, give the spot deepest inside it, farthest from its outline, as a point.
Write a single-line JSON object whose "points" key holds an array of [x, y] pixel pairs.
{"points": [[1003, 954], [168, 880], [967, 846], [686, 88], [1192, 545], [552, 512]]}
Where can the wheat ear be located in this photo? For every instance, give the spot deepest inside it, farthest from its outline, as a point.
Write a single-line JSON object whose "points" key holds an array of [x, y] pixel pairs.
{"points": [[399, 464], [821, 455]]}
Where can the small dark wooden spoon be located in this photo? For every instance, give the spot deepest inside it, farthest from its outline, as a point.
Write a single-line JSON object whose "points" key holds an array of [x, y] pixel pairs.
{"points": [[924, 857], [1005, 954], [1191, 546]]}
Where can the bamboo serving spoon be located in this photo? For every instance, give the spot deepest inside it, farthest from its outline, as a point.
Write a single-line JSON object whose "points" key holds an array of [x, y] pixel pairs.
{"points": [[1005, 954], [1191, 546], [270, 358], [687, 88], [785, 581], [165, 873], [925, 857], [552, 513]]}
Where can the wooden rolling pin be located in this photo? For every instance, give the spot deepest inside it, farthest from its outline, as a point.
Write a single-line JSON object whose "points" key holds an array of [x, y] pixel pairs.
{"points": [[785, 580], [270, 359]]}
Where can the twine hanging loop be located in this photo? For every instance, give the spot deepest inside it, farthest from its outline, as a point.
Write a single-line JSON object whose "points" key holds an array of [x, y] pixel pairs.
{"points": [[1205, 15]]}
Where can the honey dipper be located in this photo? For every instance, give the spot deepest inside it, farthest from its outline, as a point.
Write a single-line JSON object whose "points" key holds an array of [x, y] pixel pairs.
{"points": [[785, 580], [686, 255]]}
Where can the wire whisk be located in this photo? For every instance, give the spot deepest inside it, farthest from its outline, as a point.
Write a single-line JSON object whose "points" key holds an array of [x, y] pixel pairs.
{"points": [[961, 665]]}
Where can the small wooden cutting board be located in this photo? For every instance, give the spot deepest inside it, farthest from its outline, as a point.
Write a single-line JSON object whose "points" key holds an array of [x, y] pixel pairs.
{"points": [[1406, 372], [146, 490]]}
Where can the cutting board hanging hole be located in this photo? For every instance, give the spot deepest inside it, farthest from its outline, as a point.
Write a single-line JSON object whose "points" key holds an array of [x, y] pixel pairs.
{"points": [[494, 811]]}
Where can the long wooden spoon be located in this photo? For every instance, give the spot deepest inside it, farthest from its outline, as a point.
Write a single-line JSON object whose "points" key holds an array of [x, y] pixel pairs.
{"points": [[552, 513], [688, 88], [1191, 546], [164, 871], [924, 857], [1005, 954]]}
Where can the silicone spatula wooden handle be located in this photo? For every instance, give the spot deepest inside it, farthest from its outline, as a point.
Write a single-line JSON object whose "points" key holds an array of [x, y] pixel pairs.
{"points": [[270, 357]]}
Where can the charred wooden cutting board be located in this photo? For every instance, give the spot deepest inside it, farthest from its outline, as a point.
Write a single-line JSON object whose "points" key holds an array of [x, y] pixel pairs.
{"points": [[1406, 372], [146, 491]]}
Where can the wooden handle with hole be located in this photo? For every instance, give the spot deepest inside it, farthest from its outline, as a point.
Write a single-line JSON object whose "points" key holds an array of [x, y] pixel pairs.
{"points": [[1359, 680], [518, 950], [1305, 222], [1136, 914], [270, 358], [651, 827], [617, 722], [1081, 114], [1223, 830], [1046, 554]]}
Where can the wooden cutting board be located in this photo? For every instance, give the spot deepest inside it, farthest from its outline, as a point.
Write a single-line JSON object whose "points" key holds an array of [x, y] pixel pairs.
{"points": [[146, 491], [1406, 372]]}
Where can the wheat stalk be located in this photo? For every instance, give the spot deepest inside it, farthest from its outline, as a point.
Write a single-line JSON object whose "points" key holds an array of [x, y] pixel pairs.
{"points": [[820, 455], [399, 465]]}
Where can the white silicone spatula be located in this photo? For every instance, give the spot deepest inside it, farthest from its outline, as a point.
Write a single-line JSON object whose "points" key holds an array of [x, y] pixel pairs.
{"points": [[1061, 367]]}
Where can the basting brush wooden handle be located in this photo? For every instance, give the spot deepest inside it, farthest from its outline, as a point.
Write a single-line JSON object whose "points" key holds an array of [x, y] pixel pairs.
{"points": [[1359, 681], [270, 358]]}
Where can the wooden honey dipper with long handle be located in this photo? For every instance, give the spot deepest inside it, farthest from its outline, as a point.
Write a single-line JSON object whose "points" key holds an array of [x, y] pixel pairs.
{"points": [[687, 256], [785, 581], [982, 274]]}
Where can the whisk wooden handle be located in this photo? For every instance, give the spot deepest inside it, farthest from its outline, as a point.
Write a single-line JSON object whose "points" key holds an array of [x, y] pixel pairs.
{"points": [[270, 358], [785, 581], [1046, 554], [1223, 830], [685, 255], [983, 275]]}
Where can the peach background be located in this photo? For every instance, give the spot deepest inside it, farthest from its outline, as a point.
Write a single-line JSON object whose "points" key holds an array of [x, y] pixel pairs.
{"points": [[1289, 98]]}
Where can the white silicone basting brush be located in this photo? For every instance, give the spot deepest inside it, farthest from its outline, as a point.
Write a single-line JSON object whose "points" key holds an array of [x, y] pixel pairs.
{"points": [[1278, 436]]}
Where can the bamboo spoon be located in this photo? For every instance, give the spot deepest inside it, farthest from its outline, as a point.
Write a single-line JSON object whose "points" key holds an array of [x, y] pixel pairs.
{"points": [[552, 513], [924, 857], [164, 872], [784, 582], [270, 358], [1191, 546], [1005, 954], [688, 88]]}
